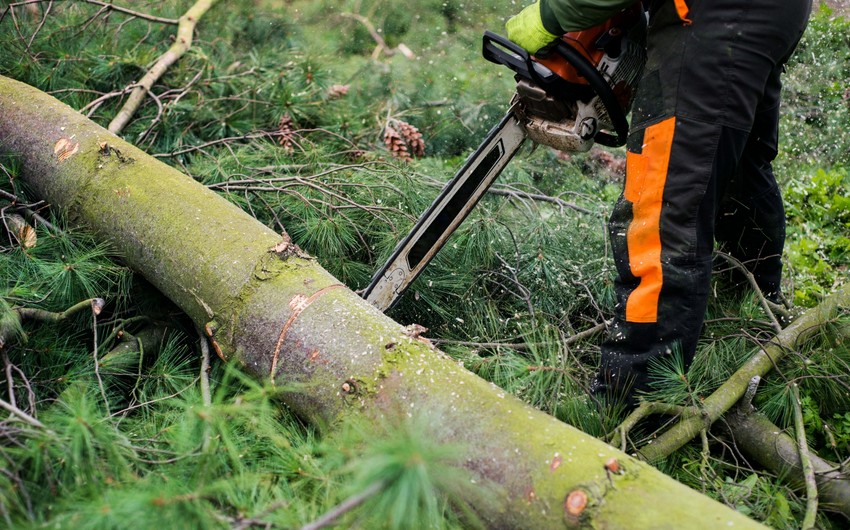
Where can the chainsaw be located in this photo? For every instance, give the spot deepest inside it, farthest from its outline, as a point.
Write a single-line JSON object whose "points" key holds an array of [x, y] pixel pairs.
{"points": [[576, 95]]}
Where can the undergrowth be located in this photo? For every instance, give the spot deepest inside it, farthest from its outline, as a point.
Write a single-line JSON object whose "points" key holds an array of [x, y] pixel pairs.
{"points": [[282, 108]]}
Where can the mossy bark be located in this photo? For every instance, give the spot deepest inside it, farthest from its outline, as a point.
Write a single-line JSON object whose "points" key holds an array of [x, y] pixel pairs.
{"points": [[281, 315], [764, 442]]}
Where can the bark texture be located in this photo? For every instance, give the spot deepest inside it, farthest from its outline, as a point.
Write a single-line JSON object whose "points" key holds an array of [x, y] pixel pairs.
{"points": [[282, 316], [764, 442]]}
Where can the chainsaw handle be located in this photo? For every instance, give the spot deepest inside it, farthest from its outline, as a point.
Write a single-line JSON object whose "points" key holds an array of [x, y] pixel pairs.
{"points": [[498, 49]]}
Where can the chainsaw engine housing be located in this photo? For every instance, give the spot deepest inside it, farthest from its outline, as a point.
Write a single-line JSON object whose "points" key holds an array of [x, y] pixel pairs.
{"points": [[599, 68]]}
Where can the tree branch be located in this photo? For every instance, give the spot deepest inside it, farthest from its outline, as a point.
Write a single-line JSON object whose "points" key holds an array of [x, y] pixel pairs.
{"points": [[805, 461], [759, 439], [345, 506], [734, 388], [108, 6], [182, 43]]}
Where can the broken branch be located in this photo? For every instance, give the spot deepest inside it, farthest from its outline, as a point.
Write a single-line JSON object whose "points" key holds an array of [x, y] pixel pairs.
{"points": [[182, 43]]}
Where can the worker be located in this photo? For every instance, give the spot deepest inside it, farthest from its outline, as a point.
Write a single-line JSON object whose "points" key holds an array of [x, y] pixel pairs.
{"points": [[704, 132]]}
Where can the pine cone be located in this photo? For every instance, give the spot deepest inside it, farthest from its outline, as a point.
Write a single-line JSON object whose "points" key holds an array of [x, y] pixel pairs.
{"points": [[395, 144], [404, 140], [286, 130], [337, 91], [412, 137]]}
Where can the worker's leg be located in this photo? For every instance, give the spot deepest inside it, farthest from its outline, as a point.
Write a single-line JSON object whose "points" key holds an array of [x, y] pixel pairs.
{"points": [[751, 221], [694, 110]]}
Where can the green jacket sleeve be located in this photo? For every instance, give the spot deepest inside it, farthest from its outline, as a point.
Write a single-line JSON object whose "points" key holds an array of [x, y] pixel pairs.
{"points": [[562, 16]]}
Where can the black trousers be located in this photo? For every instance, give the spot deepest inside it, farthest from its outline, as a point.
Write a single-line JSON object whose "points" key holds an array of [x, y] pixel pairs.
{"points": [[698, 169]]}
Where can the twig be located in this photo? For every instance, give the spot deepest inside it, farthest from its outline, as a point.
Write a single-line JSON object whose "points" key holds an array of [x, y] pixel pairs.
{"points": [[569, 341], [106, 5], [112, 7], [40, 24], [205, 369], [182, 43], [473, 344], [10, 381], [643, 411], [21, 414], [211, 143], [242, 524], [27, 210], [152, 401], [496, 190], [345, 506], [382, 44], [29, 313], [95, 312], [752, 281], [586, 334], [805, 461], [706, 457], [93, 105]]}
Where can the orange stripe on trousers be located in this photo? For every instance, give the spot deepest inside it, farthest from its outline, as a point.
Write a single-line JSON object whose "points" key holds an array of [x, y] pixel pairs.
{"points": [[682, 10], [646, 174]]}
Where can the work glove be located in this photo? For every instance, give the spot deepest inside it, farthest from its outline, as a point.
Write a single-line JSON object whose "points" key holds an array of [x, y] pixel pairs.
{"points": [[526, 29]]}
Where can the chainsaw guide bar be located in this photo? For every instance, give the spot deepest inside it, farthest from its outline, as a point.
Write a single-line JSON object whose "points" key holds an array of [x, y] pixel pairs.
{"points": [[446, 213], [578, 94]]}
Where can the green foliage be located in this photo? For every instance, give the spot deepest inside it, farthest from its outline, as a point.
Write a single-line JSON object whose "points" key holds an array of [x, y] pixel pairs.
{"points": [[419, 479], [819, 219], [841, 432], [816, 116]]}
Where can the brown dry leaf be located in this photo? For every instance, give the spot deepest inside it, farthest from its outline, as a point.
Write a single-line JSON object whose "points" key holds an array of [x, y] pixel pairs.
{"points": [[27, 237]]}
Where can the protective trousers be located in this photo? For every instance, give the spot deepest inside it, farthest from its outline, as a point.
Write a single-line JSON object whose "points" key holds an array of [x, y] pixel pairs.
{"points": [[698, 168]]}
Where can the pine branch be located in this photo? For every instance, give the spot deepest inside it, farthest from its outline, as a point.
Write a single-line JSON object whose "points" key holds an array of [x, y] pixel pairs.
{"points": [[379, 41], [725, 397], [30, 313], [345, 506], [107, 6], [752, 281], [205, 368], [22, 415], [643, 411], [182, 43], [19, 314]]}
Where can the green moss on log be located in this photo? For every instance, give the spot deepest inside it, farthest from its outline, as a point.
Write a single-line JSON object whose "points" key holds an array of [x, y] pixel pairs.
{"points": [[212, 260]]}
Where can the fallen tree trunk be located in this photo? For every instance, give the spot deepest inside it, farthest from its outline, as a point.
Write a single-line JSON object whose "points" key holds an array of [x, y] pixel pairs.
{"points": [[271, 308], [764, 442]]}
